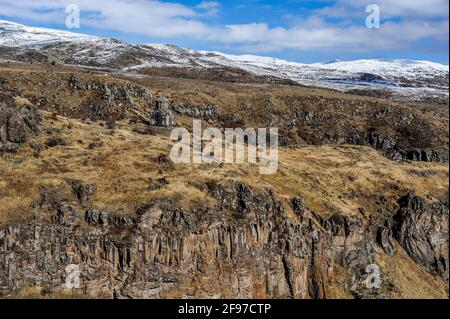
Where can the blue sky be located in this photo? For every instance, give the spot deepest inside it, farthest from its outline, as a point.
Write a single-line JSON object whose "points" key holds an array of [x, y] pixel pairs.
{"points": [[298, 30]]}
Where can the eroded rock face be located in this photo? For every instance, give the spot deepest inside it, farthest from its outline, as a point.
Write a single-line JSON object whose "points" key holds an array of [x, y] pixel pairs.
{"points": [[110, 101], [422, 229], [208, 112], [110, 92], [17, 125], [399, 134], [390, 148], [246, 246], [385, 239]]}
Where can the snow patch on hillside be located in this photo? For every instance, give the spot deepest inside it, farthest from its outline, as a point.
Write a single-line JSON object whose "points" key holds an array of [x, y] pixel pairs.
{"points": [[18, 35]]}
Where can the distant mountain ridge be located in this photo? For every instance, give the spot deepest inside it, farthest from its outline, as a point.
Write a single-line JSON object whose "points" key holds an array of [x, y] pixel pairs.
{"points": [[404, 77]]}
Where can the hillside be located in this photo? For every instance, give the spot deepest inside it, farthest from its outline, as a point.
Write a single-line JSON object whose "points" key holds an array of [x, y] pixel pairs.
{"points": [[96, 184], [404, 78]]}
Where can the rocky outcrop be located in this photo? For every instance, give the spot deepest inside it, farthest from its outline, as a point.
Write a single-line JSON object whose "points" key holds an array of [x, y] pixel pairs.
{"points": [[104, 100], [17, 125], [389, 147], [246, 246], [385, 238], [426, 155], [83, 191], [422, 230], [110, 91], [207, 112], [400, 134]]}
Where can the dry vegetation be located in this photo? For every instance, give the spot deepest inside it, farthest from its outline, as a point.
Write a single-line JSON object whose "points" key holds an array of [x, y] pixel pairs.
{"points": [[120, 162], [329, 178]]}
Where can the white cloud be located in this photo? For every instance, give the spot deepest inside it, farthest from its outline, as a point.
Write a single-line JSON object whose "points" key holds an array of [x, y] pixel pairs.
{"points": [[418, 8], [210, 7], [408, 9], [146, 17], [172, 20]]}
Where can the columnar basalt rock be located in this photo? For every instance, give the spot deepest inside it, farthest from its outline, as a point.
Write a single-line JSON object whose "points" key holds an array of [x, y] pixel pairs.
{"points": [[246, 246], [390, 148]]}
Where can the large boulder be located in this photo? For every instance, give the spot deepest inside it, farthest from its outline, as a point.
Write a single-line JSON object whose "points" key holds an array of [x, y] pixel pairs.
{"points": [[18, 122]]}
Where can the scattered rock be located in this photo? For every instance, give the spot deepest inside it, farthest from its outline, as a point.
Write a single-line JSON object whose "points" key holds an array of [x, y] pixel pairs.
{"points": [[111, 125], [207, 112], [299, 207], [155, 184], [362, 211], [83, 191], [164, 162], [55, 141], [147, 130], [95, 144], [95, 217], [9, 148], [67, 215], [385, 239]]}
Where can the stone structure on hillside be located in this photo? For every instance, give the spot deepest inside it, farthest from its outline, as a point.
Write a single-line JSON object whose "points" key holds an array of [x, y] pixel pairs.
{"points": [[162, 116]]}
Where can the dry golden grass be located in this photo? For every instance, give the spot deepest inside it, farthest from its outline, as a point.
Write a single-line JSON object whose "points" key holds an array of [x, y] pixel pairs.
{"points": [[329, 178], [403, 279], [343, 178], [409, 280], [339, 287], [20, 101]]}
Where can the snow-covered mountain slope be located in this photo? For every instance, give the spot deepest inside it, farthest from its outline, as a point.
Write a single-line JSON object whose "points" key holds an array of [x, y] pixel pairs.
{"points": [[14, 34], [394, 74], [405, 77]]}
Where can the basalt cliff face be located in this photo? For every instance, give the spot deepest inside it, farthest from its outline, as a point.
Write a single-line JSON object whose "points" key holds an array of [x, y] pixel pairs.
{"points": [[246, 246]]}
